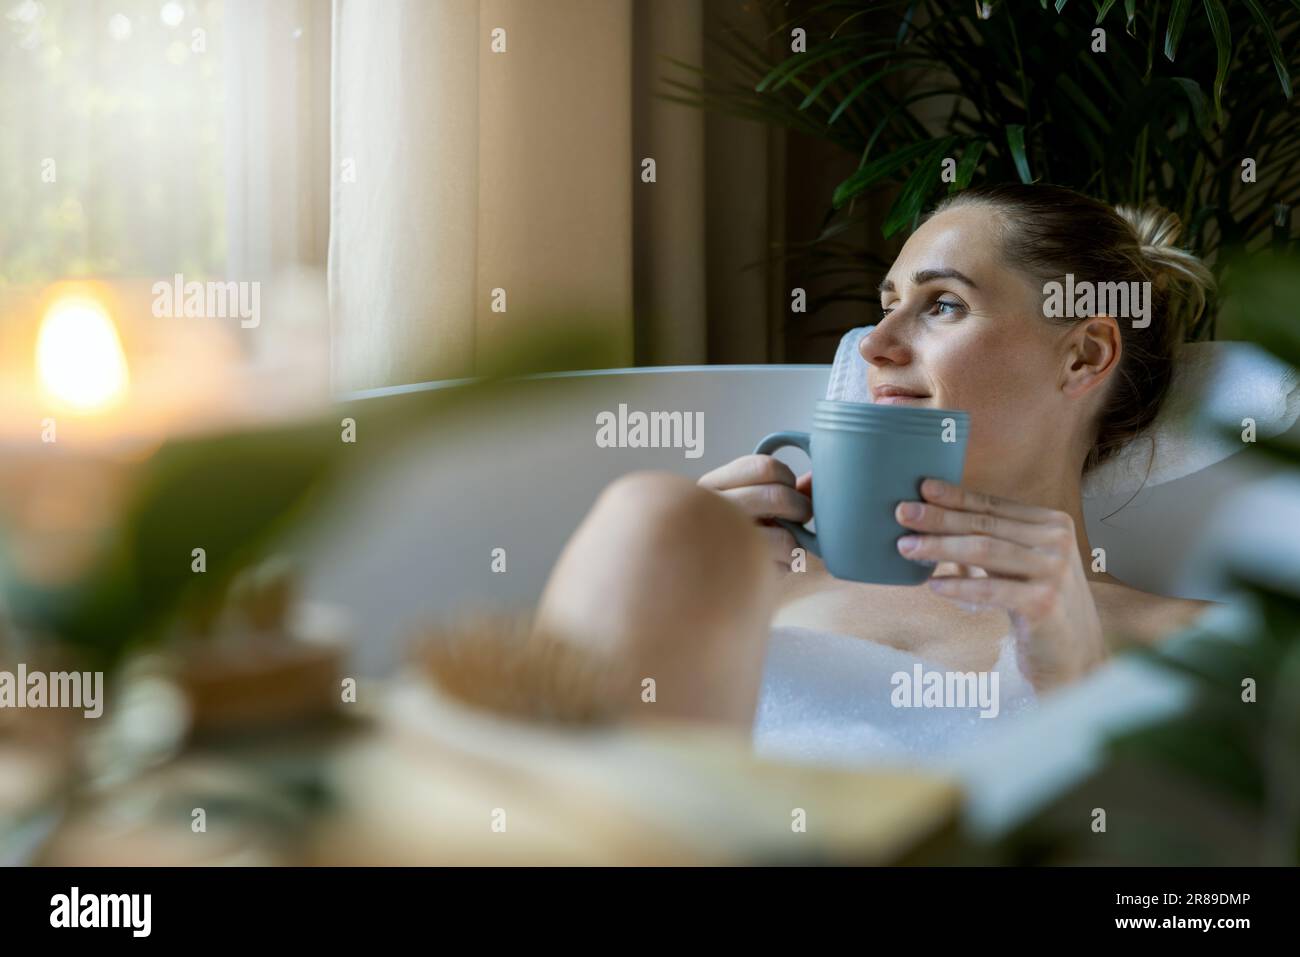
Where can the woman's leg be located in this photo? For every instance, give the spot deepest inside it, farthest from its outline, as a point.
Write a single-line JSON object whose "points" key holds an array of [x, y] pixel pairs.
{"points": [[671, 581]]}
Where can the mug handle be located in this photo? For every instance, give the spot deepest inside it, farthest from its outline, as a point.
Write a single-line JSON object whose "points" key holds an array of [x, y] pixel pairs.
{"points": [[800, 440]]}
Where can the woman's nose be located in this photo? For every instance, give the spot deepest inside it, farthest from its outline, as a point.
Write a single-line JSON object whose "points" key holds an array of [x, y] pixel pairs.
{"points": [[882, 345]]}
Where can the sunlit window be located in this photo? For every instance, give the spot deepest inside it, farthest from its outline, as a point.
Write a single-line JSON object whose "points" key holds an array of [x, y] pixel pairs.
{"points": [[151, 147], [111, 158]]}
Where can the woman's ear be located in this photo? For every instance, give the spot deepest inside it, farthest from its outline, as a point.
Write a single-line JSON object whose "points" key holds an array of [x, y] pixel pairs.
{"points": [[1093, 350]]}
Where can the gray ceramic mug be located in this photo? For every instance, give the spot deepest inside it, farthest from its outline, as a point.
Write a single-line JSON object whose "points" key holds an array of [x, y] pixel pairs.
{"points": [[865, 460]]}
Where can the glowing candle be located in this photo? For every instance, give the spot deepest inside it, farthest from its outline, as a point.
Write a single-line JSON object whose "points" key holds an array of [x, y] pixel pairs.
{"points": [[79, 357]]}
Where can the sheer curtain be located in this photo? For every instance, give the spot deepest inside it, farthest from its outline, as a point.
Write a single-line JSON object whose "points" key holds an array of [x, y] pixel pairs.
{"points": [[140, 139], [277, 134], [277, 169], [458, 170]]}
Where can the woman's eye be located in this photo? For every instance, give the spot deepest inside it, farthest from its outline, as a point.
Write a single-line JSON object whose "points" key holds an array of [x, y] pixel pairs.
{"points": [[943, 307]]}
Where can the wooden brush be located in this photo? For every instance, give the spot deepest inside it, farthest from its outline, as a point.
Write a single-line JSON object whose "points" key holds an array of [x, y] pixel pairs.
{"points": [[498, 662]]}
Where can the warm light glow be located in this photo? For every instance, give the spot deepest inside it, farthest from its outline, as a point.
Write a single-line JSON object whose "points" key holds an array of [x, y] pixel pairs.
{"points": [[119, 27], [79, 358], [172, 13]]}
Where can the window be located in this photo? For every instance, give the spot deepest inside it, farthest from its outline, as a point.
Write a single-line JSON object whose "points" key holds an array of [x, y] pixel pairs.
{"points": [[111, 159]]}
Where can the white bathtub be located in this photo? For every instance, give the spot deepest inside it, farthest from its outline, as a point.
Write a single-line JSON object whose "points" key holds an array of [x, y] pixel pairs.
{"points": [[417, 542]]}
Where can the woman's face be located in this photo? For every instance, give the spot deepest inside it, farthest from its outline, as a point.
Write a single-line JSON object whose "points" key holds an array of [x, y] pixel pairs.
{"points": [[961, 330]]}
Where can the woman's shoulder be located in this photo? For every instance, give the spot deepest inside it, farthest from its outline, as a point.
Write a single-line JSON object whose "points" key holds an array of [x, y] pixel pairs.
{"points": [[1145, 616]]}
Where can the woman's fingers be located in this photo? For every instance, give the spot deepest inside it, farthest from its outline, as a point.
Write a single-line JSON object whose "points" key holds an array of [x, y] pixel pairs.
{"points": [[748, 470], [955, 497], [1033, 571], [771, 501], [1028, 554], [762, 486], [940, 520], [998, 535], [994, 555]]}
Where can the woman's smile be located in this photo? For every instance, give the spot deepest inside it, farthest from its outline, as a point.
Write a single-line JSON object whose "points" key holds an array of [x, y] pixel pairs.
{"points": [[897, 395]]}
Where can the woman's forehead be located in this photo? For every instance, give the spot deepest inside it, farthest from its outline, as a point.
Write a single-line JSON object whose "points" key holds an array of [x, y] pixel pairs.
{"points": [[960, 244]]}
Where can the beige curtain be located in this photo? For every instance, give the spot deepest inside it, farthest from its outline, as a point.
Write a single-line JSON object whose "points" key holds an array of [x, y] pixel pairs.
{"points": [[748, 308], [277, 60], [277, 179], [458, 171]]}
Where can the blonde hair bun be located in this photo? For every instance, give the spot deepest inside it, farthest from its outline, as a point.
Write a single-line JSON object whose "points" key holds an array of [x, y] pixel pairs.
{"points": [[1182, 274]]}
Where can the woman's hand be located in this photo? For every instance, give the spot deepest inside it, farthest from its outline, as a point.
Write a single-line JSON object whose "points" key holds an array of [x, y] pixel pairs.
{"points": [[1032, 567], [766, 489]]}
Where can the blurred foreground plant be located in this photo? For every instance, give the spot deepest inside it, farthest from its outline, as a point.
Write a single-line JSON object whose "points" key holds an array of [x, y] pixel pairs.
{"points": [[234, 495]]}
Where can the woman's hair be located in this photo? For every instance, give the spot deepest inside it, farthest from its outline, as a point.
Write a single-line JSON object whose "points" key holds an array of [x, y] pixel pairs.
{"points": [[1049, 231]]}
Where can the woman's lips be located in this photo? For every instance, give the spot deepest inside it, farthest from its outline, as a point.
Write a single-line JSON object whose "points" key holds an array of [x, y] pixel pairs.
{"points": [[894, 395]]}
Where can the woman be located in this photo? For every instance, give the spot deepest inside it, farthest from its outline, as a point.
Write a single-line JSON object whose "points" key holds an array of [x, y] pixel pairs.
{"points": [[681, 584]]}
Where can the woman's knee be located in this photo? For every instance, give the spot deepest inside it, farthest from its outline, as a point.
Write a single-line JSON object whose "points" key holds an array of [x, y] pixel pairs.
{"points": [[670, 503], [656, 546], [668, 579], [670, 521]]}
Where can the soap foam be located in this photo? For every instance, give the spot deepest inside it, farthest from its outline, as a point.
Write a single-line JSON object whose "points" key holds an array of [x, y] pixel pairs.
{"points": [[828, 698]]}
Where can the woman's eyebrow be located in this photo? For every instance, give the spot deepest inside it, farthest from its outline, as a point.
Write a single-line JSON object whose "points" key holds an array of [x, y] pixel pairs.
{"points": [[929, 275]]}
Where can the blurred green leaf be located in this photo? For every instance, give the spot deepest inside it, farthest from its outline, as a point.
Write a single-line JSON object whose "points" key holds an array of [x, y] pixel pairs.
{"points": [[905, 25], [226, 495], [873, 173], [1259, 297], [1083, 103], [1274, 47], [1282, 813], [923, 183], [1195, 98], [1284, 452], [1204, 750], [1218, 18], [1174, 31], [233, 495], [1016, 142], [970, 159]]}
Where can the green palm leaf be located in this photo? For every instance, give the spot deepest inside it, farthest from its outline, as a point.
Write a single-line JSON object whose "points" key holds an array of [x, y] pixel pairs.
{"points": [[871, 174], [1016, 141], [922, 184], [1174, 31], [1274, 47], [970, 158], [1223, 46]]}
